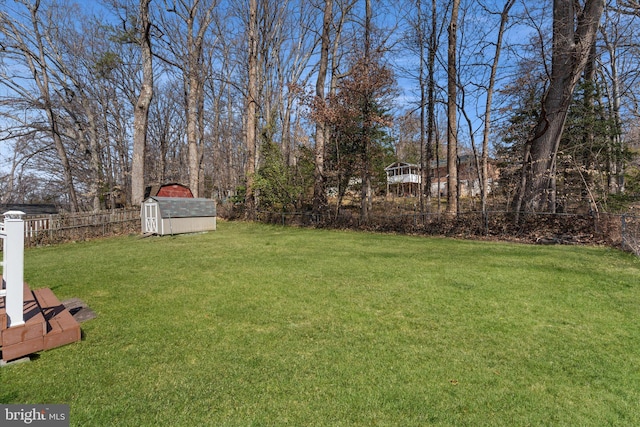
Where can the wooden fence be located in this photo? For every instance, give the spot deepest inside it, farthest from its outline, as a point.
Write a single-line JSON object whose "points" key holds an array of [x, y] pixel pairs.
{"points": [[621, 231], [52, 229]]}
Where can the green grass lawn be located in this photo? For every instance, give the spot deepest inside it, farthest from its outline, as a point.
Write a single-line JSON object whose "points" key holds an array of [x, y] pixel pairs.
{"points": [[263, 325]]}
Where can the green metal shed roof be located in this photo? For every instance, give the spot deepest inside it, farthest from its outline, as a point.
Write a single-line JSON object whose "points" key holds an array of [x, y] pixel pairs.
{"points": [[184, 207]]}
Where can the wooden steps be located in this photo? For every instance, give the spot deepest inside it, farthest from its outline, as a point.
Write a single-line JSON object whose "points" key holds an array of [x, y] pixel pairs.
{"points": [[48, 324], [62, 328]]}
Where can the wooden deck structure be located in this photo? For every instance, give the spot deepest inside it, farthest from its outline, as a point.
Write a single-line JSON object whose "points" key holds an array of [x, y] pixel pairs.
{"points": [[47, 324]]}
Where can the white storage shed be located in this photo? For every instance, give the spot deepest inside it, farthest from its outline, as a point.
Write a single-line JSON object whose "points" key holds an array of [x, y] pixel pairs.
{"points": [[176, 215]]}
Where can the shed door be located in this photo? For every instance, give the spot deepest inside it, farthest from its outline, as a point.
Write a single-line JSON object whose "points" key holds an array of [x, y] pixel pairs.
{"points": [[151, 218]]}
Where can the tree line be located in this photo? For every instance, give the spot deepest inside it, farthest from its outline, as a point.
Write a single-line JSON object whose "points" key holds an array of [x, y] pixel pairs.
{"points": [[292, 104]]}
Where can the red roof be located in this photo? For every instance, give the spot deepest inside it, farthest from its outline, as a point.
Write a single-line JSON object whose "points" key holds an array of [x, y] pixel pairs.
{"points": [[171, 190]]}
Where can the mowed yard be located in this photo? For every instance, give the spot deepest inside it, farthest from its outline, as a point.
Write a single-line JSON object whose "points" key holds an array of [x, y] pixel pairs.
{"points": [[256, 325]]}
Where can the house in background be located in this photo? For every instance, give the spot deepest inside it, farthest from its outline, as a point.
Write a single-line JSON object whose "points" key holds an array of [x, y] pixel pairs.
{"points": [[30, 209], [403, 179]]}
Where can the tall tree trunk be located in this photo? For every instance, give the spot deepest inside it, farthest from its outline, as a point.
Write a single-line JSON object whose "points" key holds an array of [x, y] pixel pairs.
{"points": [[141, 110], [438, 176], [252, 92], [194, 88], [319, 195], [424, 161], [345, 11], [431, 100], [484, 185], [232, 183], [195, 97], [452, 126], [365, 193], [95, 165], [588, 130], [95, 161], [571, 48], [615, 166]]}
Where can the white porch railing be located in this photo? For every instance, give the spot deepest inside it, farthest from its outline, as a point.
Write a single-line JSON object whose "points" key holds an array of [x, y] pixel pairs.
{"points": [[12, 234]]}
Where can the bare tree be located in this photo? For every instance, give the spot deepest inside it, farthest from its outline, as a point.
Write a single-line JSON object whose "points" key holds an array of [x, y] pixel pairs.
{"points": [[366, 105], [251, 109], [141, 110], [431, 100], [484, 187], [227, 154], [423, 82], [294, 76], [185, 27], [319, 196], [26, 43], [166, 156], [452, 126], [619, 73], [78, 58], [574, 32], [118, 73]]}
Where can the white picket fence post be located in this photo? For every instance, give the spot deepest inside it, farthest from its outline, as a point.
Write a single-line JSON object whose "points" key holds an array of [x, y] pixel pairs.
{"points": [[13, 265]]}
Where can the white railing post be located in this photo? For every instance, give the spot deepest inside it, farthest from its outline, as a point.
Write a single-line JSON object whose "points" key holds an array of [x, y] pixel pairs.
{"points": [[13, 268]]}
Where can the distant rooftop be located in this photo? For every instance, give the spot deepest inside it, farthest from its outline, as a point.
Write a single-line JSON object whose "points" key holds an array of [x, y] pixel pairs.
{"points": [[30, 208]]}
